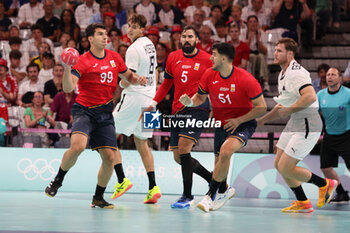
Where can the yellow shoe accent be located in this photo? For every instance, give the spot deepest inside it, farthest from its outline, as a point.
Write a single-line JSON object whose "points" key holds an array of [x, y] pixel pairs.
{"points": [[299, 207], [326, 192], [121, 188], [152, 196]]}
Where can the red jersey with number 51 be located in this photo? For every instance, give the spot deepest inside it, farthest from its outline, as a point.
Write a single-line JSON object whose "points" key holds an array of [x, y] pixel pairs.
{"points": [[98, 77], [186, 71], [231, 96]]}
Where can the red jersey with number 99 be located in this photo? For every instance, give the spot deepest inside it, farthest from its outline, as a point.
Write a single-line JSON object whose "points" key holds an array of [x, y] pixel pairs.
{"points": [[98, 77], [230, 96]]}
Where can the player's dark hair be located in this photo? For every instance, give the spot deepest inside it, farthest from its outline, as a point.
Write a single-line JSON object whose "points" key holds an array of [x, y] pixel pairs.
{"points": [[186, 28], [32, 64], [138, 19], [225, 49], [90, 30], [289, 44], [324, 67]]}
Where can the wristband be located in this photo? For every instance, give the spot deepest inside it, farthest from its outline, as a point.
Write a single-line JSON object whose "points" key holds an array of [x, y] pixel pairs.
{"points": [[121, 85]]}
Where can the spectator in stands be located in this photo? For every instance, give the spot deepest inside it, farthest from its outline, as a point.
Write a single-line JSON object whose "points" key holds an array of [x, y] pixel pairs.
{"points": [[61, 105], [323, 12], [321, 81], [49, 22], [148, 9], [205, 42], [13, 30], [256, 8], [5, 22], [59, 6], [257, 41], [45, 74], [162, 54], [226, 9], [235, 16], [175, 36], [69, 25], [15, 68], [63, 39], [105, 6], [36, 116], [72, 44], [287, 14], [84, 12], [119, 12], [222, 35], [114, 36], [128, 4], [29, 13], [168, 15], [33, 84], [109, 20], [242, 49], [53, 86], [198, 18], [44, 47], [193, 9], [153, 34], [122, 50], [84, 45], [336, 5], [31, 47], [8, 86], [15, 43], [215, 16]]}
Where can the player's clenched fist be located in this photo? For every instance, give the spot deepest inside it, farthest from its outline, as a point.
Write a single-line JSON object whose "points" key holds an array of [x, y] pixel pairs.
{"points": [[186, 100]]}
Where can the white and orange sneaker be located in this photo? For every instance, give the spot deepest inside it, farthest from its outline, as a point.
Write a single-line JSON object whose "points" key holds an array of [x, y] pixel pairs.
{"points": [[299, 207]]}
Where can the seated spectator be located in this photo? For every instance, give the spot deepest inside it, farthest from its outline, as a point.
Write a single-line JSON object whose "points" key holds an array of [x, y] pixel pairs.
{"points": [[44, 47], [182, 4], [263, 14], [175, 36], [36, 117], [15, 68], [226, 9], [198, 18], [63, 39], [105, 6], [69, 25], [321, 81], [8, 86], [119, 12], [5, 22], [13, 30], [15, 43], [148, 9], [45, 74], [215, 16], [53, 86], [236, 14], [49, 22], [205, 42], [59, 6], [128, 4], [162, 54], [84, 12], [257, 41], [72, 44], [62, 105], [29, 13], [122, 50], [115, 39], [168, 16], [84, 45], [192, 9], [153, 34], [242, 49], [109, 20], [33, 84], [221, 30]]}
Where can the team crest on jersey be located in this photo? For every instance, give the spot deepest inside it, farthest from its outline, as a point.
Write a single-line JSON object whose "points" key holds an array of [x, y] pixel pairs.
{"points": [[112, 63], [233, 87], [196, 66]]}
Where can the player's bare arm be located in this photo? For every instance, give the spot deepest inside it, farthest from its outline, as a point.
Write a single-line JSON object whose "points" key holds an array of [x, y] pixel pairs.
{"points": [[133, 78], [270, 116], [258, 109], [69, 81], [196, 100]]}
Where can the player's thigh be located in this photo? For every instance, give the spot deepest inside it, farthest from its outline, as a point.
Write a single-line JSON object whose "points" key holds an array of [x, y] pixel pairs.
{"points": [[104, 136], [328, 156], [299, 147], [126, 115]]}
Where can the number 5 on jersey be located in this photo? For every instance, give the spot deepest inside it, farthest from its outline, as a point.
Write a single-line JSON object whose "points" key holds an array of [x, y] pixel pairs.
{"points": [[223, 98], [184, 76]]}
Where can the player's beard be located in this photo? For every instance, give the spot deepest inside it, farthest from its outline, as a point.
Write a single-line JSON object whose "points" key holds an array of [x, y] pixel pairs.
{"points": [[188, 49]]}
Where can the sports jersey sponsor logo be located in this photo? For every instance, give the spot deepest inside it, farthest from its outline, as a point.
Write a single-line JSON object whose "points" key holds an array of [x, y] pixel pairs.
{"points": [[104, 67], [196, 66], [151, 120], [233, 87], [186, 67], [112, 63], [224, 89]]}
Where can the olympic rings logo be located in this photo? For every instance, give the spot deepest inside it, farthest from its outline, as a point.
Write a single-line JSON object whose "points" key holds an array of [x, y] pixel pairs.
{"points": [[39, 168]]}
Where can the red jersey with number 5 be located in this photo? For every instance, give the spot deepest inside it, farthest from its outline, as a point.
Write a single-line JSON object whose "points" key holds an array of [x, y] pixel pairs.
{"points": [[231, 96], [98, 77], [186, 71]]}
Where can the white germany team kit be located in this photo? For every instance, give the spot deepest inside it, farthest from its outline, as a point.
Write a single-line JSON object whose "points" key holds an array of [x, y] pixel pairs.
{"points": [[140, 58], [304, 127]]}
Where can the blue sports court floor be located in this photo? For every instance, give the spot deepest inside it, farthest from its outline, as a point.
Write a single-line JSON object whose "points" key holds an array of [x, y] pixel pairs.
{"points": [[71, 212]]}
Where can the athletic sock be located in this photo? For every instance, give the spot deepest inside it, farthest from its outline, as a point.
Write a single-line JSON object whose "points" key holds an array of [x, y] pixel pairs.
{"points": [[60, 175], [223, 186], [99, 192], [151, 180], [340, 189], [318, 181], [187, 173], [118, 168], [200, 170], [299, 193], [213, 186]]}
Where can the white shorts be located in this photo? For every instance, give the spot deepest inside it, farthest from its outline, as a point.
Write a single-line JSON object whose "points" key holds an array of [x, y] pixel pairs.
{"points": [[127, 112], [300, 136]]}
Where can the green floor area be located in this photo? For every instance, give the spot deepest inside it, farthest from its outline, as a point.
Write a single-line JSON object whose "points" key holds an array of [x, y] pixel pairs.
{"points": [[71, 212]]}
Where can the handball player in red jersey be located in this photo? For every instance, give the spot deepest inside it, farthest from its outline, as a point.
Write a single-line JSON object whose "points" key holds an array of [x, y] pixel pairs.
{"points": [[96, 75]]}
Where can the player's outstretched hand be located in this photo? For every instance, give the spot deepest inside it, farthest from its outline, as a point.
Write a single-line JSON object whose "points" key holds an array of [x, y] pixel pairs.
{"points": [[150, 108], [141, 80], [186, 100]]}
